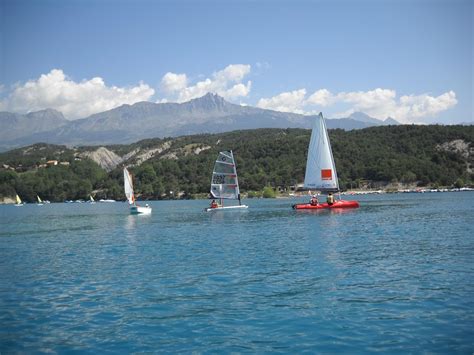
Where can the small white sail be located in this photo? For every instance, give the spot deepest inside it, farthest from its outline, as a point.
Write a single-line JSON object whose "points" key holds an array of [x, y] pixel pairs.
{"points": [[128, 186], [91, 199], [18, 200], [320, 168], [40, 202], [224, 183]]}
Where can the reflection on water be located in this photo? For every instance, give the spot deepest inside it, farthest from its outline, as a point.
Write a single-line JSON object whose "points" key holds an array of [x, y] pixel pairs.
{"points": [[394, 275]]}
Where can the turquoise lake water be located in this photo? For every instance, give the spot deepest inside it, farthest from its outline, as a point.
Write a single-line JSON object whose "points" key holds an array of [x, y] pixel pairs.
{"points": [[396, 275]]}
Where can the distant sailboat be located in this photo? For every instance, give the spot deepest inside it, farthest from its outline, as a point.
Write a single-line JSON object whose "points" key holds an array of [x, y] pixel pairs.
{"points": [[91, 199], [128, 186], [40, 202], [19, 202], [224, 182], [321, 170]]}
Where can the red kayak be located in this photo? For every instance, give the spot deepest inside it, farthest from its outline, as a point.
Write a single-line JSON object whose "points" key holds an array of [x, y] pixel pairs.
{"points": [[336, 204]]}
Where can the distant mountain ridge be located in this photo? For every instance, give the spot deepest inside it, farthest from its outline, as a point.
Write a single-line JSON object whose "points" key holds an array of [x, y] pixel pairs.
{"points": [[130, 123]]}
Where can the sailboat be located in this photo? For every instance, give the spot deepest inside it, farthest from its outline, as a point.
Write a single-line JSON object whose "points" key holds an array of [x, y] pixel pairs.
{"points": [[19, 202], [91, 199], [224, 183], [321, 172], [128, 185], [40, 202]]}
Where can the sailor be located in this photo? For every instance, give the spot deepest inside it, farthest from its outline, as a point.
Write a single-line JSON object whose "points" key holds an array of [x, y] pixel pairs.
{"points": [[213, 204], [330, 199], [314, 201]]}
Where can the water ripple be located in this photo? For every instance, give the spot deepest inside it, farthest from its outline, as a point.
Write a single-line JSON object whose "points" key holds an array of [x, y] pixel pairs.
{"points": [[395, 275]]}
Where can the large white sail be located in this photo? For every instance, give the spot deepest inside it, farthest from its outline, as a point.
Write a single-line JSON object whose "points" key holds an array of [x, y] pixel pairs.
{"points": [[320, 168], [224, 182], [128, 186]]}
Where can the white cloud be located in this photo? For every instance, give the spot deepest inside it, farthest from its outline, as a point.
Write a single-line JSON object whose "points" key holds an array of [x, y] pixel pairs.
{"points": [[227, 83], [172, 83], [286, 102], [73, 99], [425, 105], [378, 103], [321, 97]]}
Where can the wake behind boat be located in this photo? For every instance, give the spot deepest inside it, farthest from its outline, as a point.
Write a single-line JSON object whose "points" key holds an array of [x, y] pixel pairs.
{"points": [[128, 186], [224, 183], [321, 170]]}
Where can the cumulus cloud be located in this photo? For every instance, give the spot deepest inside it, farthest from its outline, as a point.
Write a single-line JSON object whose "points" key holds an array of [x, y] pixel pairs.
{"points": [[378, 103], [293, 101], [172, 83], [321, 97], [73, 99], [228, 83]]}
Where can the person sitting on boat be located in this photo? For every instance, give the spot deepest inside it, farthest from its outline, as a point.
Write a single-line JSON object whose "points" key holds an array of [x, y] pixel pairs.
{"points": [[214, 204], [314, 201], [330, 199]]}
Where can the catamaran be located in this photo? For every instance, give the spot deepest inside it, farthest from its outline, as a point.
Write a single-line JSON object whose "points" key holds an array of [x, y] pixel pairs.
{"points": [[224, 183], [40, 202], [128, 185], [19, 202], [321, 172]]}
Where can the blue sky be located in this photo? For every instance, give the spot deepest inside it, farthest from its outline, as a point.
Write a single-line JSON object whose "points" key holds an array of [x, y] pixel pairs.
{"points": [[411, 60]]}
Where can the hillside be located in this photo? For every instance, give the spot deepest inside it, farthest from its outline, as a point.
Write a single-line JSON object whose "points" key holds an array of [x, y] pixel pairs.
{"points": [[422, 155]]}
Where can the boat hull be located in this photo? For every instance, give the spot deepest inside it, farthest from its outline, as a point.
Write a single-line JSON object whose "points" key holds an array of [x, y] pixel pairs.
{"points": [[140, 210], [325, 205], [226, 208]]}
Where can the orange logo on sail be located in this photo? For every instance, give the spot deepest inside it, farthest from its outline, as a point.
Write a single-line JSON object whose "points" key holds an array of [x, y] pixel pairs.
{"points": [[326, 174]]}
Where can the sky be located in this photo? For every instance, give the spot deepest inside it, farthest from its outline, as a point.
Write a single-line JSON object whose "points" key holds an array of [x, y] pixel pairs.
{"points": [[407, 59]]}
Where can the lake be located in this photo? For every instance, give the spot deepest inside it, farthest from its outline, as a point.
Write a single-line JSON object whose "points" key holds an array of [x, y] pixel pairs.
{"points": [[395, 275]]}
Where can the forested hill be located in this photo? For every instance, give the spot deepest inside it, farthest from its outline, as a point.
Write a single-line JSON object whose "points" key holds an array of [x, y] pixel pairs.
{"points": [[172, 167]]}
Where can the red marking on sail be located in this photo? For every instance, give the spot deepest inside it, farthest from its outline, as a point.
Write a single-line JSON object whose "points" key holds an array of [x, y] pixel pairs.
{"points": [[326, 174]]}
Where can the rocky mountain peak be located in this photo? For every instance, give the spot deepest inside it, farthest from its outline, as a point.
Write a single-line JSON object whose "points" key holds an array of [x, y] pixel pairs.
{"points": [[209, 102]]}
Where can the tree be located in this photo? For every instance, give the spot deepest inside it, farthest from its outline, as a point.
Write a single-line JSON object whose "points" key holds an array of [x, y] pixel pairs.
{"points": [[268, 192]]}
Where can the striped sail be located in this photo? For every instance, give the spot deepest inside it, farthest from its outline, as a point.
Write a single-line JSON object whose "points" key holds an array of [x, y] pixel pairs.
{"points": [[224, 183], [128, 186], [320, 168]]}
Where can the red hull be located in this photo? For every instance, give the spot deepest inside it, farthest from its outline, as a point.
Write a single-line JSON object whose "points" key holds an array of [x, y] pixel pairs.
{"points": [[336, 204]]}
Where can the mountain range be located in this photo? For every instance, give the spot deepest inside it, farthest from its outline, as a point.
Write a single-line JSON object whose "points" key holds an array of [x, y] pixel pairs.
{"points": [[130, 123]]}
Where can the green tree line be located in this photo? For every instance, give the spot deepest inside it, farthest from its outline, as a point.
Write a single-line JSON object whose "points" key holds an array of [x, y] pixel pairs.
{"points": [[264, 158]]}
